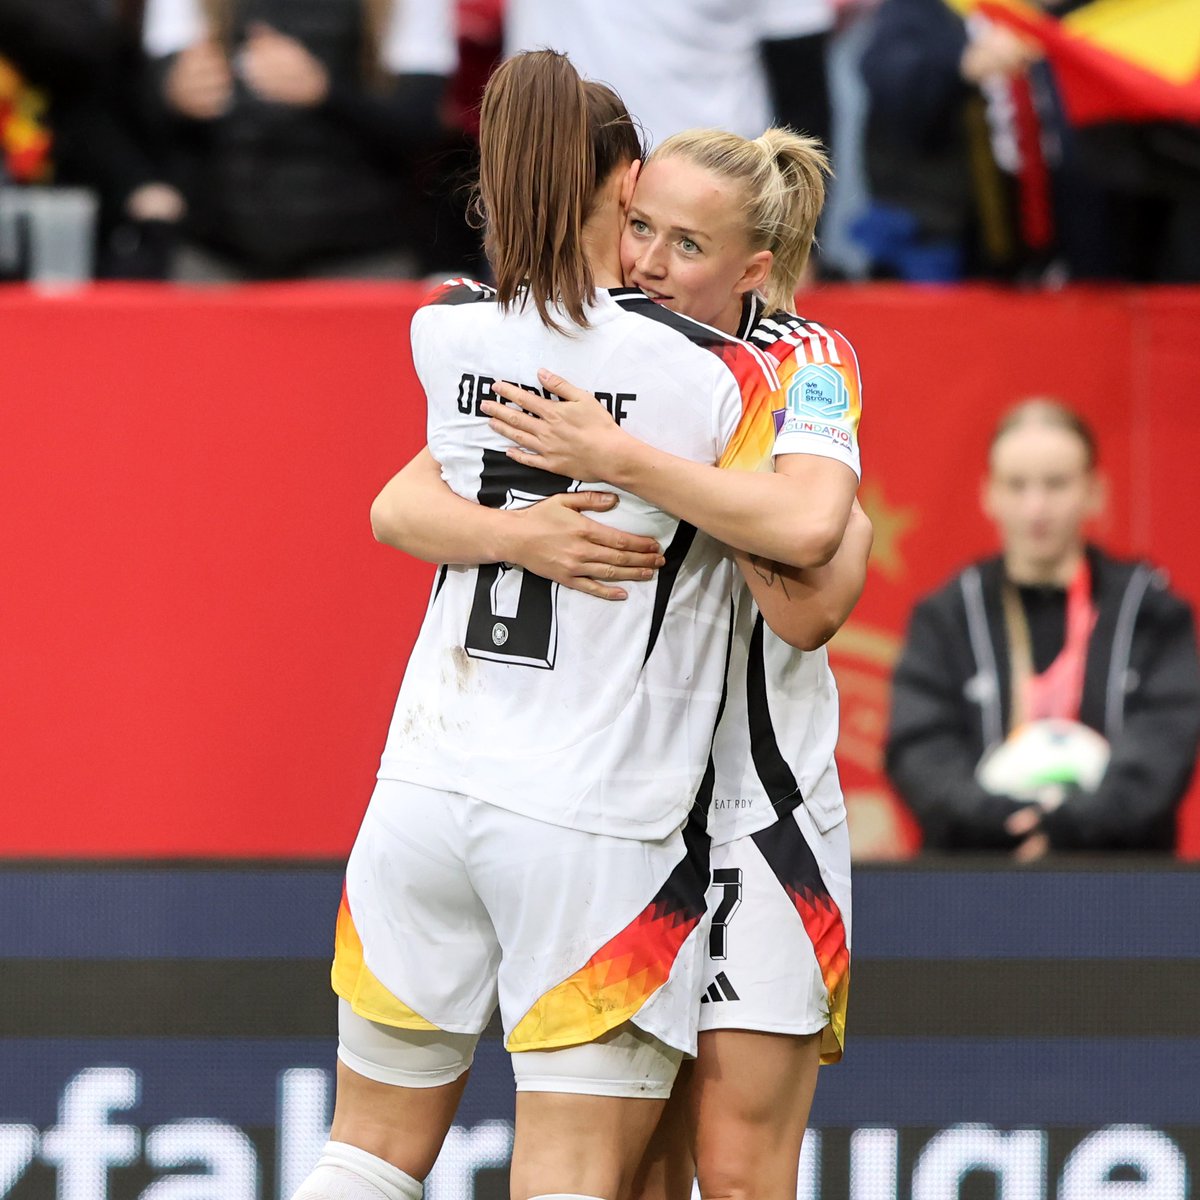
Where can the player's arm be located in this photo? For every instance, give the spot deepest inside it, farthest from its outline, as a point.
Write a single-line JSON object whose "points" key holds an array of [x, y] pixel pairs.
{"points": [[417, 512], [795, 515], [807, 606]]}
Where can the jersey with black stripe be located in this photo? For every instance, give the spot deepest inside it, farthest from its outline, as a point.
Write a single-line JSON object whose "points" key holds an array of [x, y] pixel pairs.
{"points": [[539, 698], [774, 744]]}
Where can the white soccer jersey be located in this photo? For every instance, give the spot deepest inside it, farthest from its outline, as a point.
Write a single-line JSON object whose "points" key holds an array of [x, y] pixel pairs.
{"points": [[541, 699], [775, 741]]}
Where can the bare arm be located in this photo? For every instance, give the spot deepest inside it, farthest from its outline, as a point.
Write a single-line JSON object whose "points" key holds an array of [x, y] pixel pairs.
{"points": [[806, 607], [418, 513], [794, 515]]}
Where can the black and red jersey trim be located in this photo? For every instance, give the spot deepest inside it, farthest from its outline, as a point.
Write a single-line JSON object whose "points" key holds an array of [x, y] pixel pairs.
{"points": [[461, 291]]}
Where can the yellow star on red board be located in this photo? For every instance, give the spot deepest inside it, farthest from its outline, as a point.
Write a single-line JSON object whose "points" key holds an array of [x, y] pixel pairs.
{"points": [[891, 522]]}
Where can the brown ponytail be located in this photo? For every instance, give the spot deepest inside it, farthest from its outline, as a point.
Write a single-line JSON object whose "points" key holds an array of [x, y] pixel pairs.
{"points": [[547, 140]]}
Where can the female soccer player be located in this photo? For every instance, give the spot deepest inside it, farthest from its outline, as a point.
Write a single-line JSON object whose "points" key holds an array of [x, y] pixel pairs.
{"points": [[524, 844], [706, 205], [774, 1002]]}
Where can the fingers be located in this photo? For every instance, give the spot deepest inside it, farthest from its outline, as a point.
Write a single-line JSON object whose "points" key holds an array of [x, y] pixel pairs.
{"points": [[515, 433], [600, 580], [505, 418], [613, 572], [603, 557], [591, 587], [603, 535], [562, 388], [530, 401], [587, 501], [529, 459]]}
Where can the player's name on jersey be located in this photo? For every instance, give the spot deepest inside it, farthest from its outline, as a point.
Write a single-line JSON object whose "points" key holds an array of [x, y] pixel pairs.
{"points": [[473, 390]]}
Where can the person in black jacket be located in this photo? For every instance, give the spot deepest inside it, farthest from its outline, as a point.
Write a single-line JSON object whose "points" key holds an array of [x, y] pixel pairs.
{"points": [[1050, 627], [297, 126]]}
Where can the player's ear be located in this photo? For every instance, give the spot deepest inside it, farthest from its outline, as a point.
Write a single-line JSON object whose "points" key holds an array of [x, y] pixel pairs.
{"points": [[629, 183], [758, 268]]}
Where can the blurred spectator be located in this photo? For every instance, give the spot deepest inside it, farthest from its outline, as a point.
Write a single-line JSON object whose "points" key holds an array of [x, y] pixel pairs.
{"points": [[976, 171], [734, 64], [1153, 174], [970, 162], [70, 112], [1052, 627], [298, 125]]}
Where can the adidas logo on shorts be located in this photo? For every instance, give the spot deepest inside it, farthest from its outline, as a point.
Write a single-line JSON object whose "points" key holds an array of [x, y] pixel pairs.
{"points": [[720, 989]]}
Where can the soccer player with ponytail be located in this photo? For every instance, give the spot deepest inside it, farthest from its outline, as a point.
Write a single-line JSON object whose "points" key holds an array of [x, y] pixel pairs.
{"points": [[719, 228], [525, 845]]}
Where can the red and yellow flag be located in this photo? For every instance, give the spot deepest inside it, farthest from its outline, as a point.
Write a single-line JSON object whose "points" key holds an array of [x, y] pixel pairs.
{"points": [[1114, 60], [24, 136]]}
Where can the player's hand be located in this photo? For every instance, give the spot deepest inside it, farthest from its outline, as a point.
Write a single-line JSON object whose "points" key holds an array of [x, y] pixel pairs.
{"points": [[572, 436], [281, 69], [558, 542]]}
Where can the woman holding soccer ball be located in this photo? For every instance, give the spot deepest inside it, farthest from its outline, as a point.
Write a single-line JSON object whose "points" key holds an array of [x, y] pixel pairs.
{"points": [[1047, 698]]}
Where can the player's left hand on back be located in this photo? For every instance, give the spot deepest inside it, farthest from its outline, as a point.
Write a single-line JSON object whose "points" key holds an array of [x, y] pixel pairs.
{"points": [[573, 435]]}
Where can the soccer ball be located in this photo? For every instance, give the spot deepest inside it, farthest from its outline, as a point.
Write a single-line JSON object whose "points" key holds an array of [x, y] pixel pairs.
{"points": [[1044, 754]]}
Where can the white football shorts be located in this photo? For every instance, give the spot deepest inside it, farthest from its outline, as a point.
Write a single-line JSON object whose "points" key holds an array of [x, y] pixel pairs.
{"points": [[452, 906], [778, 949]]}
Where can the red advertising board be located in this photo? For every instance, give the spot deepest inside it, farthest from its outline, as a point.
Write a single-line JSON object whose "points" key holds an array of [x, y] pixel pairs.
{"points": [[202, 641]]}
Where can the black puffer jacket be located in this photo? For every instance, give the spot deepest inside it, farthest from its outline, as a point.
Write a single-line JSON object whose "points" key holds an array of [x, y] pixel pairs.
{"points": [[279, 187], [950, 702]]}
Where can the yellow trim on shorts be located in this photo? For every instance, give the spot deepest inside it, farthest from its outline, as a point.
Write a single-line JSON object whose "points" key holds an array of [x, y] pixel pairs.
{"points": [[833, 1037], [355, 982]]}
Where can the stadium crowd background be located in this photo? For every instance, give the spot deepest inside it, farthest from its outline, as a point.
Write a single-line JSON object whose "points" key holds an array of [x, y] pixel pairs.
{"points": [[262, 140]]}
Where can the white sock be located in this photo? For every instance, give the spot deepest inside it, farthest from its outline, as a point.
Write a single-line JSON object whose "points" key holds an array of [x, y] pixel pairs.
{"points": [[344, 1172]]}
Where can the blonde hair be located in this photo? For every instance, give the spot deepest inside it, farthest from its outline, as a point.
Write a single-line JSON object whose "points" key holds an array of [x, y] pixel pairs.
{"points": [[782, 176], [548, 140], [1050, 414]]}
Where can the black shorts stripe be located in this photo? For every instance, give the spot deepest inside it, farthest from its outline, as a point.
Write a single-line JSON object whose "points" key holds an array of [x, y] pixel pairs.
{"points": [[790, 858], [772, 768]]}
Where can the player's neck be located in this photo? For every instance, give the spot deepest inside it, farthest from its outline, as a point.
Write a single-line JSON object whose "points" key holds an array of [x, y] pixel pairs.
{"points": [[604, 257], [602, 240]]}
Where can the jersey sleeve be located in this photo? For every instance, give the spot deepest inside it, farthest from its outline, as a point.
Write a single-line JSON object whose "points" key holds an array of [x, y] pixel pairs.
{"points": [[458, 291], [819, 404], [747, 436]]}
